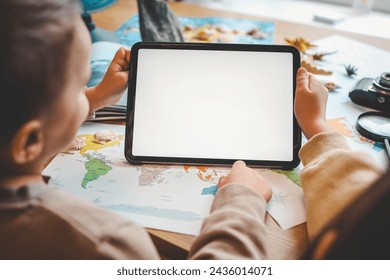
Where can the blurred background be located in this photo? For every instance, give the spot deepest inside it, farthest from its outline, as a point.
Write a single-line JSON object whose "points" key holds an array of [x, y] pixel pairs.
{"points": [[363, 20]]}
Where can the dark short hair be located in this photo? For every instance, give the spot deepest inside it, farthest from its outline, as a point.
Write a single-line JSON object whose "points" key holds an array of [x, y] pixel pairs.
{"points": [[362, 228], [35, 39]]}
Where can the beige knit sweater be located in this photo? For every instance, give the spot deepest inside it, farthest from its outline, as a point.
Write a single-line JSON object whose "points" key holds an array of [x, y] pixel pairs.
{"points": [[52, 224], [333, 176]]}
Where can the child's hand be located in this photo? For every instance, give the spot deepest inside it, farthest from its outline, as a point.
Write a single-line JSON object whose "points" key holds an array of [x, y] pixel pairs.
{"points": [[310, 104], [243, 175], [114, 83]]}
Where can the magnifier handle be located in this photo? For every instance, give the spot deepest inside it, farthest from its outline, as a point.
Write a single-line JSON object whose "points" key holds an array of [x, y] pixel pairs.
{"points": [[387, 147]]}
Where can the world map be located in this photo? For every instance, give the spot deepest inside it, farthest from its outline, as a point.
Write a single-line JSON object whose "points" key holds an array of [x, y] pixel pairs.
{"points": [[168, 197], [97, 165]]}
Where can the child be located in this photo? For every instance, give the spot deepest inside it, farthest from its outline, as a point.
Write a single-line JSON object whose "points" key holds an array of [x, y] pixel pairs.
{"points": [[347, 215], [44, 65], [347, 200]]}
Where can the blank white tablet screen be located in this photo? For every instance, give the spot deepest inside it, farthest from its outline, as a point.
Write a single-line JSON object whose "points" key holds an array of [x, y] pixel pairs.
{"points": [[214, 105]]}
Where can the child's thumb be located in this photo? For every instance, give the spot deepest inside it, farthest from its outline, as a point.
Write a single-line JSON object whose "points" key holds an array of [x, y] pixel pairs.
{"points": [[221, 181], [302, 79]]}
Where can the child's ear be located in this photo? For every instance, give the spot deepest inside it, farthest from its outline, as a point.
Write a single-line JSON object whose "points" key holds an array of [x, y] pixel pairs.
{"points": [[27, 144]]}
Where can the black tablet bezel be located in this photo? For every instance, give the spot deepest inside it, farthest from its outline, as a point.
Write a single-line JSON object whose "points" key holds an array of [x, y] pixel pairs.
{"points": [[205, 161]]}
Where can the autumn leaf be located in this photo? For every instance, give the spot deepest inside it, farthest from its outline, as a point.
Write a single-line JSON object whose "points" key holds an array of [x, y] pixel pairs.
{"points": [[301, 44], [320, 56], [314, 69]]}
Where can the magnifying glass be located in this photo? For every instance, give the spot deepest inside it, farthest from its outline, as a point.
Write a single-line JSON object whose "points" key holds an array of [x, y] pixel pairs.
{"points": [[375, 126]]}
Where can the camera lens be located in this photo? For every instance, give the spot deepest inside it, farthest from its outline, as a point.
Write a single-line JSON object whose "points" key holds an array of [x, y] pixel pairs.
{"points": [[385, 79]]}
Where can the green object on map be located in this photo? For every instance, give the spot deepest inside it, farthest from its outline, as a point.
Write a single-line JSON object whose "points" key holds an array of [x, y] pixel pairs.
{"points": [[95, 168], [293, 175]]}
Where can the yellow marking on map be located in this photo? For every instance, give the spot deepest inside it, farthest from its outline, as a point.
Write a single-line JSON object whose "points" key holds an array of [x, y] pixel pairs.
{"points": [[92, 146]]}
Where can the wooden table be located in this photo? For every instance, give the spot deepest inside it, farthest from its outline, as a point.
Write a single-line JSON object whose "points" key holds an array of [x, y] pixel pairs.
{"points": [[289, 244]]}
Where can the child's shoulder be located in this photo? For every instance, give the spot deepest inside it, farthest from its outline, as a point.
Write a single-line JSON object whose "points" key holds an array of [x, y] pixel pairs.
{"points": [[52, 218], [80, 214]]}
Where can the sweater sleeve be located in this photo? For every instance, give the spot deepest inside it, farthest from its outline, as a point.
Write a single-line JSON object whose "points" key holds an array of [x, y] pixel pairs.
{"points": [[332, 177], [235, 228]]}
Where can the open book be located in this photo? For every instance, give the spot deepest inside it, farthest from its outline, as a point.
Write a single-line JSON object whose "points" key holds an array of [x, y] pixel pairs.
{"points": [[102, 54]]}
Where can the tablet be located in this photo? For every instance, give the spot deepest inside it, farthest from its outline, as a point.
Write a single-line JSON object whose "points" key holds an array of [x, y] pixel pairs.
{"points": [[212, 104]]}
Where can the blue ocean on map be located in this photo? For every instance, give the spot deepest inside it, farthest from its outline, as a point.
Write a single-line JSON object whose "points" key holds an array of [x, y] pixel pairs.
{"points": [[129, 32]]}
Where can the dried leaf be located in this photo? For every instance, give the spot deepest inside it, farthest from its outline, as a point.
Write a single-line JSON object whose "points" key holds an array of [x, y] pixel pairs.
{"points": [[301, 44], [331, 86], [320, 56], [314, 69], [257, 34]]}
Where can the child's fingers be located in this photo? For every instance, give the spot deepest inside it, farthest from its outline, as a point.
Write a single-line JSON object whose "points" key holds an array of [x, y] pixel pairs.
{"points": [[122, 58], [302, 80], [221, 181], [127, 51], [237, 168], [239, 163]]}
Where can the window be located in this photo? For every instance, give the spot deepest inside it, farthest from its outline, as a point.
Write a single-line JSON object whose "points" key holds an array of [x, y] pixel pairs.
{"points": [[379, 5]]}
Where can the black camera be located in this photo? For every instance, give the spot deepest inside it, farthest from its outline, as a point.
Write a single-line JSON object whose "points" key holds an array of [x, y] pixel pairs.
{"points": [[373, 93]]}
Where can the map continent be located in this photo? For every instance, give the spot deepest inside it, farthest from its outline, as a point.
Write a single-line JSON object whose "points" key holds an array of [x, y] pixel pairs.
{"points": [[293, 175], [90, 145], [151, 175], [210, 191], [341, 126], [95, 168]]}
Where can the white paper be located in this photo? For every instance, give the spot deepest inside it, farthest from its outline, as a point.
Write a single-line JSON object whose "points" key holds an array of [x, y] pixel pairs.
{"points": [[287, 205]]}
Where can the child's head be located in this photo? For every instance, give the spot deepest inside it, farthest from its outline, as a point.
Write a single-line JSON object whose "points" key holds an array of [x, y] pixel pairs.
{"points": [[44, 65]]}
